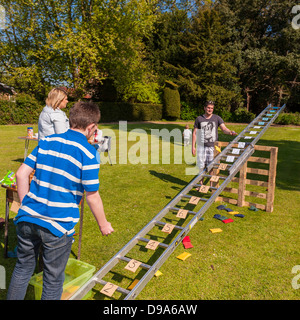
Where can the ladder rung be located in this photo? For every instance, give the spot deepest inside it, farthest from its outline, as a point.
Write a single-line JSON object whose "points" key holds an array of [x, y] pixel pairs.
{"points": [[226, 155], [142, 265], [199, 185], [177, 209], [119, 289], [216, 166], [210, 175], [162, 245], [201, 199]]}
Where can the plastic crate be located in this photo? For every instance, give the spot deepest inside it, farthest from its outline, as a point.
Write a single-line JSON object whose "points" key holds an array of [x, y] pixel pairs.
{"points": [[76, 274]]}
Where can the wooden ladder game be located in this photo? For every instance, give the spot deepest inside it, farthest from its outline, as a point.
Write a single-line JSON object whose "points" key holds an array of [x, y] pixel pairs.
{"points": [[186, 209]]}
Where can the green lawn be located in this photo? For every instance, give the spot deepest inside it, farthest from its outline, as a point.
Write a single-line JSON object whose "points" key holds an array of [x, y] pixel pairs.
{"points": [[251, 259]]}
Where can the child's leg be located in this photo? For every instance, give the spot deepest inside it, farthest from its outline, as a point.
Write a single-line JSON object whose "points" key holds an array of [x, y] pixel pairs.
{"points": [[28, 248], [56, 252]]}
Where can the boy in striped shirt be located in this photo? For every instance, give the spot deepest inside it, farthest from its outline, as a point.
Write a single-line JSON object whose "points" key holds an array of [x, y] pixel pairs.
{"points": [[65, 166]]}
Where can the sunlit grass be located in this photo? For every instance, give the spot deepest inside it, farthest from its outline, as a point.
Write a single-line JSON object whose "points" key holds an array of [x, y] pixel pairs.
{"points": [[251, 259]]}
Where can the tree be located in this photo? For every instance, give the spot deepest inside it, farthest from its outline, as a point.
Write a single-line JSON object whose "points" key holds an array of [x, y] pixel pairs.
{"points": [[76, 42], [268, 50], [163, 45], [205, 70]]}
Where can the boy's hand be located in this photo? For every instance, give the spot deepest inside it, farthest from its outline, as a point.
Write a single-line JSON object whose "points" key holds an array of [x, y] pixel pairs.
{"points": [[193, 151], [106, 229]]}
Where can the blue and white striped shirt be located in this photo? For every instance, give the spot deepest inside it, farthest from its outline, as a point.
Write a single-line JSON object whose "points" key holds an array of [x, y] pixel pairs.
{"points": [[65, 165]]}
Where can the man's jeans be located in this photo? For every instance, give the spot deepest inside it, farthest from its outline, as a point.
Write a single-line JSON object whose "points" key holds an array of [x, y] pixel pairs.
{"points": [[56, 252]]}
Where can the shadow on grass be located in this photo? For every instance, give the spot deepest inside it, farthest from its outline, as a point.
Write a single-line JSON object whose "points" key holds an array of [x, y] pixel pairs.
{"points": [[168, 178], [288, 163]]}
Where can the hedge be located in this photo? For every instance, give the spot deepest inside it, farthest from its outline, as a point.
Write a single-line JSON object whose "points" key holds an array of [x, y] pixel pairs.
{"points": [[289, 119], [116, 111], [171, 99], [27, 110]]}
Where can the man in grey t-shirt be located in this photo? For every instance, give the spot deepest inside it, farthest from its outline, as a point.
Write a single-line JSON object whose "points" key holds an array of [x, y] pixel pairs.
{"points": [[208, 123]]}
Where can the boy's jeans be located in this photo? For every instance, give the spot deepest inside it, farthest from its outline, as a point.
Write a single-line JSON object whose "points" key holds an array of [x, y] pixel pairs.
{"points": [[56, 252]]}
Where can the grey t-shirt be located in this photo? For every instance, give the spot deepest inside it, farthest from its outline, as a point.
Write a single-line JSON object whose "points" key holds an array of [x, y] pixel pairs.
{"points": [[52, 121], [209, 128]]}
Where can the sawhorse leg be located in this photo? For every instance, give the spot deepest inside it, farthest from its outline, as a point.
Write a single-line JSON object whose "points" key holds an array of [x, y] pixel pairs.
{"points": [[26, 148], [6, 225], [80, 226]]}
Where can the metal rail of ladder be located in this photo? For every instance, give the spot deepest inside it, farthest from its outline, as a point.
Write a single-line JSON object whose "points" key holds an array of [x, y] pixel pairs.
{"points": [[254, 132]]}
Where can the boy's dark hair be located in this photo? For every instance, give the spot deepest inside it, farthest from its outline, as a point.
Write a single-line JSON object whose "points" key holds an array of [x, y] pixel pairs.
{"points": [[83, 114], [209, 103]]}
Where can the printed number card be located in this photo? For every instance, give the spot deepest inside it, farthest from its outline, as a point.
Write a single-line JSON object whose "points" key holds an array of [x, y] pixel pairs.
{"points": [[204, 189], [182, 213], [168, 228], [133, 265], [235, 151], [223, 166], [109, 289], [214, 178], [152, 245], [194, 200], [230, 159]]}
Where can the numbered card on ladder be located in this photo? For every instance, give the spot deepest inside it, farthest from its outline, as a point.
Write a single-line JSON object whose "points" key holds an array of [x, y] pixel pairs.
{"points": [[109, 289], [223, 166], [182, 213], [132, 265], [168, 228], [235, 151], [204, 189], [241, 145], [214, 178], [230, 159], [194, 200], [152, 244]]}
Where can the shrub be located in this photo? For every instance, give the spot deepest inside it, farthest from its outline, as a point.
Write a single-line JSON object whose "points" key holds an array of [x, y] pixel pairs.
{"points": [[171, 100], [187, 112], [288, 119], [5, 111], [116, 111], [241, 115], [26, 109], [225, 115]]}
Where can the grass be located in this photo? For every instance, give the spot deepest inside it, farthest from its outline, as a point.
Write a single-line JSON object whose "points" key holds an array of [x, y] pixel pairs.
{"points": [[251, 259]]}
